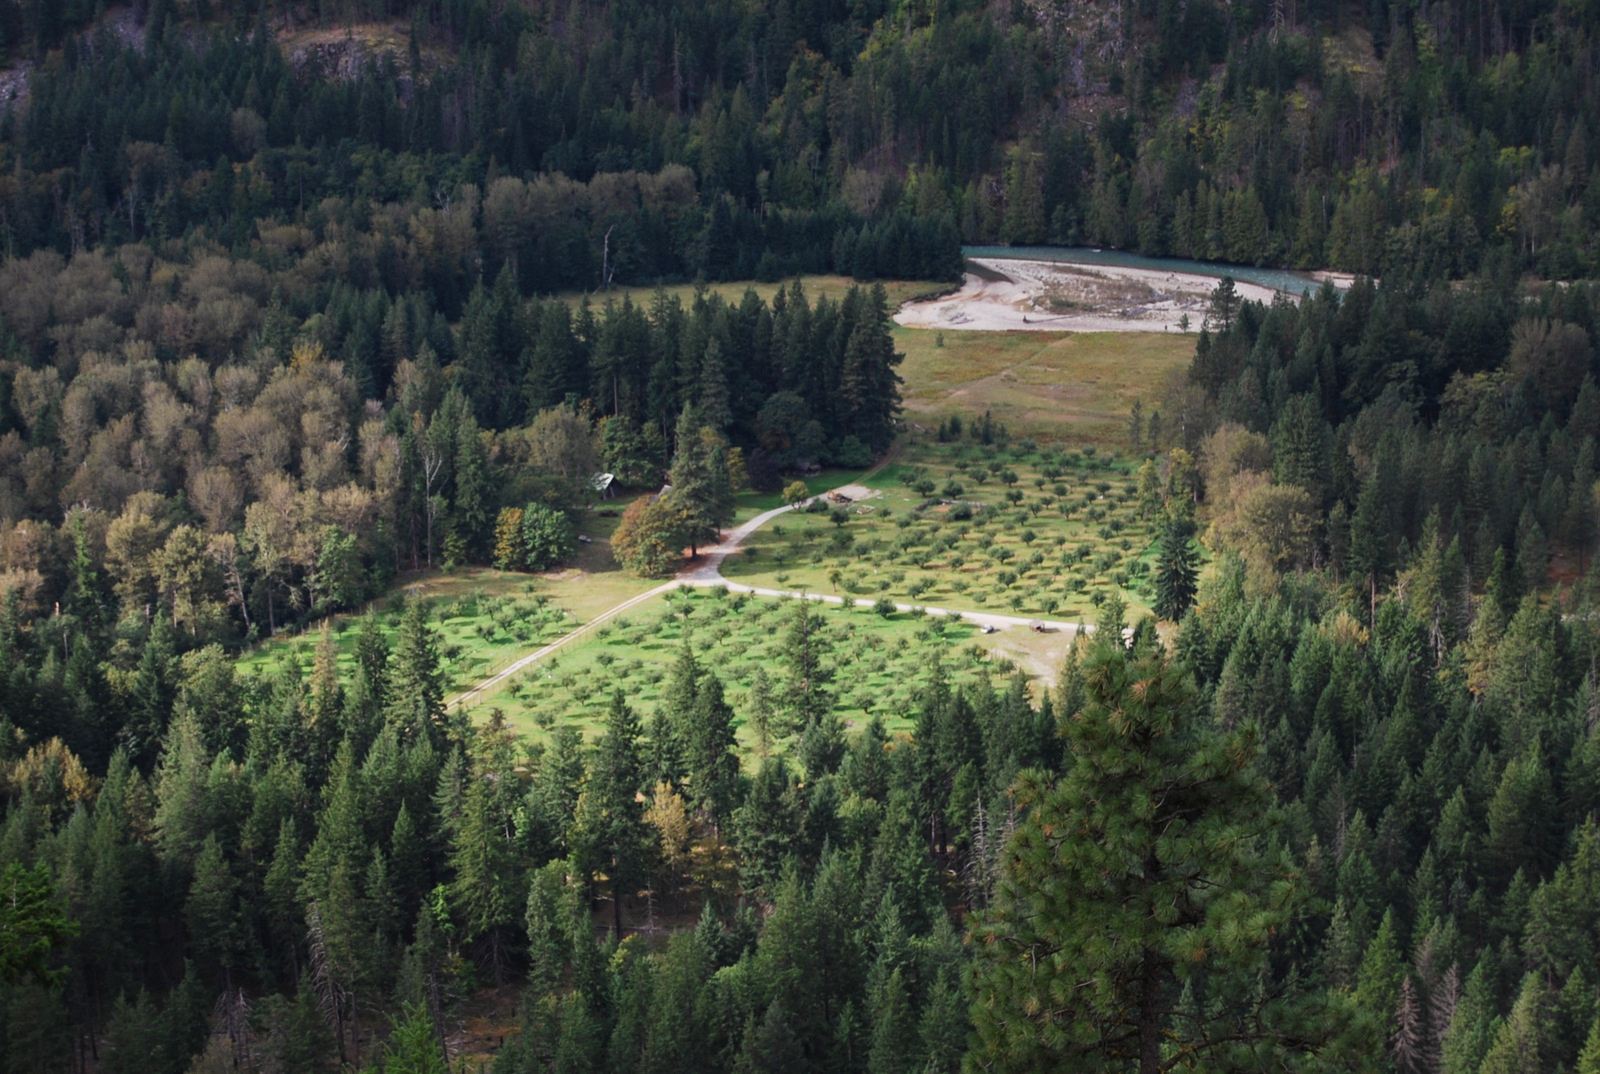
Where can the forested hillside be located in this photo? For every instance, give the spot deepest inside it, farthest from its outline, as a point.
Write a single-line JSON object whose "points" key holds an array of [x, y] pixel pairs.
{"points": [[1377, 137], [282, 323]]}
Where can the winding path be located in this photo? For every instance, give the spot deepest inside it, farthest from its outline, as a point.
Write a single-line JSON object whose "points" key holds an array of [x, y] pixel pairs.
{"points": [[708, 572]]}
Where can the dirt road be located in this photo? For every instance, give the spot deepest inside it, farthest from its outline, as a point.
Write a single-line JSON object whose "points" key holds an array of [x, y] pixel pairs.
{"points": [[708, 572]]}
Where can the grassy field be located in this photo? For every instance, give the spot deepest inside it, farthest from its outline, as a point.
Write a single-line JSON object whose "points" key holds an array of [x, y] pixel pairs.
{"points": [[1047, 385], [487, 618], [1053, 386], [1043, 524], [1015, 528], [878, 664]]}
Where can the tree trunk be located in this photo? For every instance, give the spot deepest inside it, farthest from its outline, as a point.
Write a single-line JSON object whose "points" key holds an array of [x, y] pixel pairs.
{"points": [[435, 1006], [1150, 1016], [338, 1025], [494, 953]]}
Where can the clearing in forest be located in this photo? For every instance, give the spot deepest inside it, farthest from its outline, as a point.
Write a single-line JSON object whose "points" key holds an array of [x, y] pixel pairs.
{"points": [[1017, 528], [1072, 387], [877, 664]]}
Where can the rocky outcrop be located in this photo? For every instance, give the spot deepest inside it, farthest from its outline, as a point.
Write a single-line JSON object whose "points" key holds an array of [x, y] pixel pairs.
{"points": [[343, 53]]}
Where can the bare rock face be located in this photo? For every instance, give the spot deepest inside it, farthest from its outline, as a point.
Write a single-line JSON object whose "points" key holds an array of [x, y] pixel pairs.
{"points": [[14, 86], [342, 53], [16, 80], [342, 59]]}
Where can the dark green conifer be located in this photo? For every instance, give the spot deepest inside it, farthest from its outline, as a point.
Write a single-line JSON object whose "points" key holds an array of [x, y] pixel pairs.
{"points": [[1176, 571], [1104, 910]]}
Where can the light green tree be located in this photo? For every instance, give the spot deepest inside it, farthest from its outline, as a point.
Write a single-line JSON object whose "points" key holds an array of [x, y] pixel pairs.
{"points": [[33, 925]]}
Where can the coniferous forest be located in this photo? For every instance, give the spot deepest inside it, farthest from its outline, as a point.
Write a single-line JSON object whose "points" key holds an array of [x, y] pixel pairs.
{"points": [[304, 303]]}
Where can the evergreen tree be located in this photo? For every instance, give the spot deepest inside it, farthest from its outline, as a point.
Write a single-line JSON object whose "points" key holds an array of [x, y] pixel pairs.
{"points": [[296, 1034], [1371, 533], [804, 646], [32, 926], [185, 800], [365, 699], [210, 911], [1515, 1049], [1382, 973], [152, 696], [713, 763], [609, 833], [487, 877], [894, 1032], [472, 505], [771, 1046], [1176, 572], [700, 481], [1589, 1058], [414, 692], [675, 715], [766, 823], [412, 1047], [282, 910], [1105, 909], [869, 387], [712, 399]]}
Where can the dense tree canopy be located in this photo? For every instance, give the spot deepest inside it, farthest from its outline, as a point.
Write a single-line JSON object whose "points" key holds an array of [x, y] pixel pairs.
{"points": [[279, 319], [740, 140]]}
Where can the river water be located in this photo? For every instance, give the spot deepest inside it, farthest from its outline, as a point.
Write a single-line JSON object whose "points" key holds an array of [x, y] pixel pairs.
{"points": [[1277, 279]]}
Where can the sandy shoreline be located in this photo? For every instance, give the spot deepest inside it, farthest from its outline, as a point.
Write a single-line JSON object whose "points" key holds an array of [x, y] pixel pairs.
{"points": [[1053, 296]]}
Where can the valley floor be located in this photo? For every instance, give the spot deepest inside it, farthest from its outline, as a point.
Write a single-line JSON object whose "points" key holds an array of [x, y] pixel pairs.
{"points": [[1050, 296]]}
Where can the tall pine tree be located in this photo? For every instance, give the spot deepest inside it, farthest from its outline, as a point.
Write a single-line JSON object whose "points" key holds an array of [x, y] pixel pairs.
{"points": [[1140, 875], [1176, 572]]}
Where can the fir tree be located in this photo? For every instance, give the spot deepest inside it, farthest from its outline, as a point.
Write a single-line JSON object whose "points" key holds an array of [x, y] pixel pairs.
{"points": [[412, 1047], [185, 805], [894, 1032], [283, 911], [1515, 1048], [803, 648], [33, 925], [152, 695], [700, 483], [1382, 974], [766, 823], [1176, 571], [869, 387], [414, 692], [210, 911], [1589, 1058], [609, 832], [761, 715], [488, 879], [713, 763], [324, 715], [295, 1030]]}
